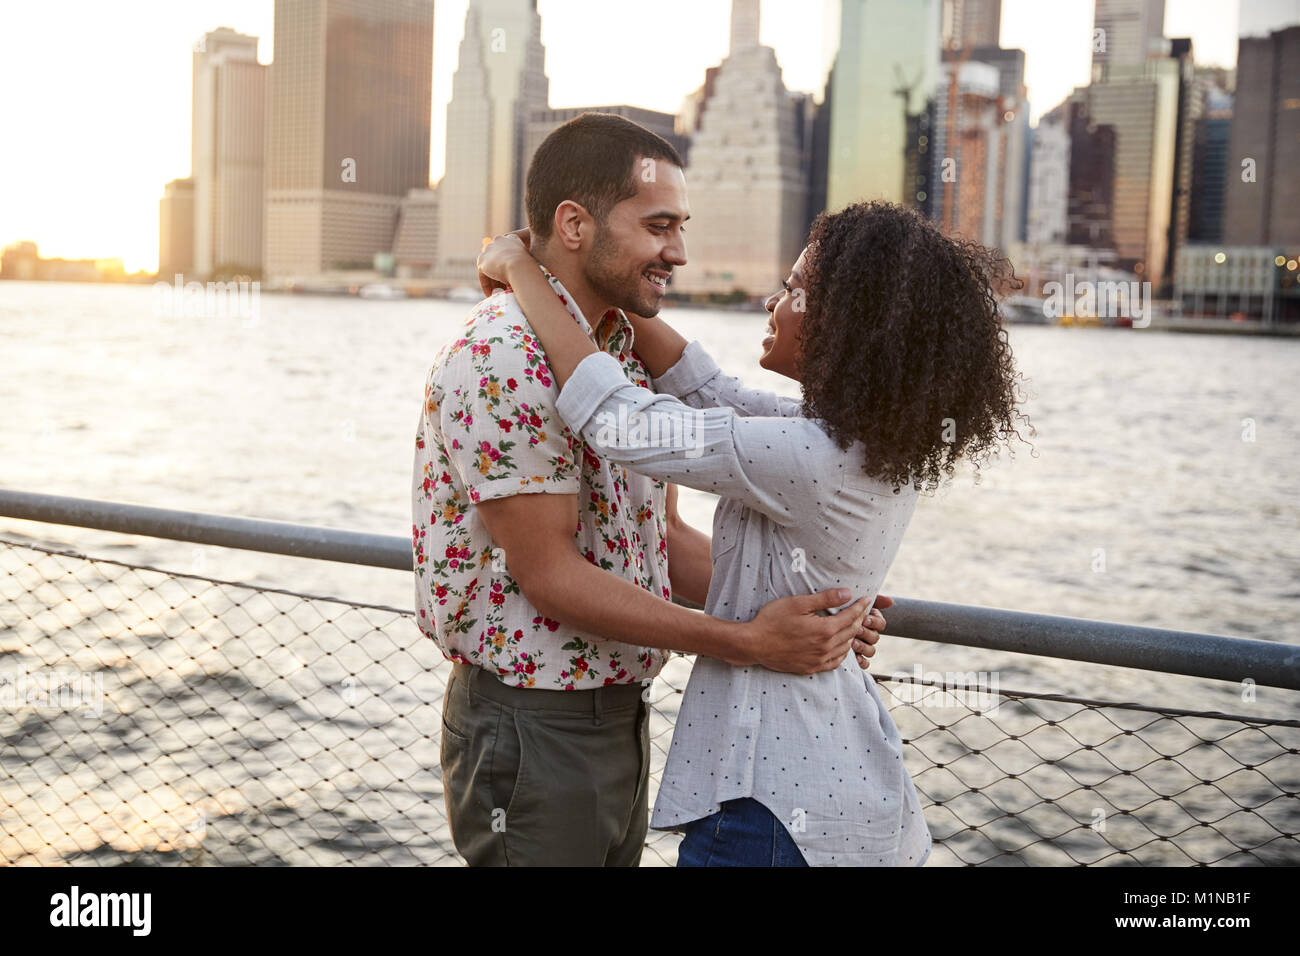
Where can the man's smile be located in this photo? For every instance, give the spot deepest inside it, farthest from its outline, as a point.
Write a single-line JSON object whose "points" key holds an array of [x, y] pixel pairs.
{"points": [[656, 277]]}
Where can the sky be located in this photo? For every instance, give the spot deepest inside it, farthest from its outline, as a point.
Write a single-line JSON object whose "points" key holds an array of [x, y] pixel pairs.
{"points": [[96, 112]]}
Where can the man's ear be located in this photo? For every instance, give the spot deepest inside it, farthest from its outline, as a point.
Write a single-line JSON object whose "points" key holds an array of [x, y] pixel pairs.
{"points": [[572, 224]]}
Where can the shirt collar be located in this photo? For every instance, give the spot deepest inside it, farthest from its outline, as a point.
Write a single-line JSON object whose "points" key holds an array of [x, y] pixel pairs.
{"points": [[619, 342]]}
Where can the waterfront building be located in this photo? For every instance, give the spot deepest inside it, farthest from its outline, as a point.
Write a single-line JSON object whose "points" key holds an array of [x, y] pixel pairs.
{"points": [[747, 173], [227, 152], [885, 69], [1125, 33], [415, 247], [500, 79], [176, 229], [1210, 167], [350, 106], [1262, 190], [1049, 181]]}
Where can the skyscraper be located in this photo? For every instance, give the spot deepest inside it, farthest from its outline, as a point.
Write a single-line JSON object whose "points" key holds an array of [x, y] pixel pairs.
{"points": [[971, 158], [1014, 102], [968, 23], [1124, 134], [500, 78], [694, 104], [885, 70], [819, 148], [1191, 104], [747, 173], [348, 136], [812, 127], [983, 88], [1123, 157], [227, 144], [1090, 202], [1049, 181], [415, 247], [176, 229], [1264, 146], [971, 31], [1125, 33], [1210, 165]]}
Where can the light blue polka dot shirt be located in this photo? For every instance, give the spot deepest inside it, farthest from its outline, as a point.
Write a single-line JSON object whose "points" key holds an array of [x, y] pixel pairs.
{"points": [[797, 515]]}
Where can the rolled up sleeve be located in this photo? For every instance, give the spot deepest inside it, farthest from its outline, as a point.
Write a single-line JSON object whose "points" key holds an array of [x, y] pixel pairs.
{"points": [[699, 382]]}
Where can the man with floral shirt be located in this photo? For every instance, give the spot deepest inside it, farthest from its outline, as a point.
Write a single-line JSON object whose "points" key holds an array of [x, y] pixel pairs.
{"points": [[545, 572]]}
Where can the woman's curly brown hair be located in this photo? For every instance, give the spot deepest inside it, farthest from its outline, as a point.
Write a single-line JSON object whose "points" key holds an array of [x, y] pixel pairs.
{"points": [[901, 346]]}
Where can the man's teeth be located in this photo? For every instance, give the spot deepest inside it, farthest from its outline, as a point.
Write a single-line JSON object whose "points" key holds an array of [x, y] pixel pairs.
{"points": [[661, 281]]}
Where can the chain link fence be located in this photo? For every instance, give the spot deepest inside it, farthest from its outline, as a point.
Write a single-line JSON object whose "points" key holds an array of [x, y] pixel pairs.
{"points": [[149, 716]]}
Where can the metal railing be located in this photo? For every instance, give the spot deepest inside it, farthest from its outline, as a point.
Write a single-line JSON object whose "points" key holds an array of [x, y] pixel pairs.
{"points": [[150, 715]]}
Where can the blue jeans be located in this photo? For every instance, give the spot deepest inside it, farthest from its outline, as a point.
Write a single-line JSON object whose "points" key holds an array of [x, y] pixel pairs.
{"points": [[742, 833]]}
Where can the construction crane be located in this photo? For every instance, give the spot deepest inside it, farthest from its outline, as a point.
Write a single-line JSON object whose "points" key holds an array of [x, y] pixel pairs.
{"points": [[904, 92]]}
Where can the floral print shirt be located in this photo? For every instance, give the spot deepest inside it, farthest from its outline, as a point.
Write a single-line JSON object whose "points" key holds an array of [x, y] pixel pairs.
{"points": [[489, 429]]}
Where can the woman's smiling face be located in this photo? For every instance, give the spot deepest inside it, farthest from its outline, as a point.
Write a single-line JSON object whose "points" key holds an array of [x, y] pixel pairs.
{"points": [[787, 308]]}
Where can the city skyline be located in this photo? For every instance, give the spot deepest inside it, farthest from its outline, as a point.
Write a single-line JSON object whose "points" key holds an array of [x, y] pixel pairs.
{"points": [[111, 210]]}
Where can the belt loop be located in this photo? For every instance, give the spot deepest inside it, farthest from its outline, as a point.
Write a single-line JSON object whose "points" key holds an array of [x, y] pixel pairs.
{"points": [[474, 671], [595, 703]]}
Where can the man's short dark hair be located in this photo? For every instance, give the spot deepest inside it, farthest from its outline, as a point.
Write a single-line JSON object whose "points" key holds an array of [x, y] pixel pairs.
{"points": [[589, 160]]}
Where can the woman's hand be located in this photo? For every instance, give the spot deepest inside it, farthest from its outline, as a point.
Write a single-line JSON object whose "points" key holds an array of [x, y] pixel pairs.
{"points": [[864, 646], [506, 260], [498, 256]]}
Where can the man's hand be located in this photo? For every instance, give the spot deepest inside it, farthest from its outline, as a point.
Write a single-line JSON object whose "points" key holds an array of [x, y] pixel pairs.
{"points": [[789, 635], [864, 648]]}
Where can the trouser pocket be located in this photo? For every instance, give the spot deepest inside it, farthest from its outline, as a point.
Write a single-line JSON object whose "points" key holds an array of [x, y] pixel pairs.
{"points": [[577, 787], [698, 838], [471, 762]]}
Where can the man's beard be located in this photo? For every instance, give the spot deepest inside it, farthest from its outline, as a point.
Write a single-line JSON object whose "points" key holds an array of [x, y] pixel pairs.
{"points": [[620, 290]]}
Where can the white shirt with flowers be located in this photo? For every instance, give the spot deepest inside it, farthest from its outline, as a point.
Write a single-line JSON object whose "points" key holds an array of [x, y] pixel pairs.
{"points": [[489, 429]]}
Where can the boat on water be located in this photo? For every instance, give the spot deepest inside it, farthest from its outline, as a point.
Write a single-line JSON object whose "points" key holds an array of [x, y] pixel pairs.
{"points": [[381, 290], [465, 293], [1023, 310]]}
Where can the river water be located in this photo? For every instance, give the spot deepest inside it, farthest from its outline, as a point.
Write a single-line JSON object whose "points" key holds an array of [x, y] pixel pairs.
{"points": [[1161, 490]]}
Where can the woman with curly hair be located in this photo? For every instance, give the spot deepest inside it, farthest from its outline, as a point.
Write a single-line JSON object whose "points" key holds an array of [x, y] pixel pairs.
{"points": [[892, 330]]}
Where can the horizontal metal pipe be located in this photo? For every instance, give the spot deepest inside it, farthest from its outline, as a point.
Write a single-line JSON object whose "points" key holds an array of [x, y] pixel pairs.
{"points": [[1121, 645], [1267, 663], [249, 534]]}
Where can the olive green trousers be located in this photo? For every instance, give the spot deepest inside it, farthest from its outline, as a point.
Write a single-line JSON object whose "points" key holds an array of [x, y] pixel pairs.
{"points": [[545, 777]]}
